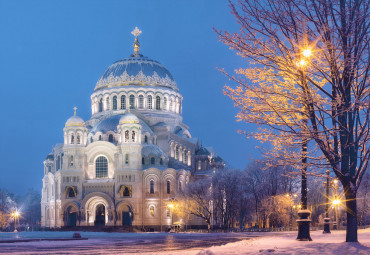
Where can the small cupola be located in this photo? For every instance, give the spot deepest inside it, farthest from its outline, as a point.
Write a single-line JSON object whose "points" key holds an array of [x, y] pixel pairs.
{"points": [[130, 128], [75, 130]]}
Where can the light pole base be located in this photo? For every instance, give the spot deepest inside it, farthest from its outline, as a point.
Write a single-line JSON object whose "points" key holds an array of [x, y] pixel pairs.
{"points": [[335, 227], [304, 225], [326, 226]]}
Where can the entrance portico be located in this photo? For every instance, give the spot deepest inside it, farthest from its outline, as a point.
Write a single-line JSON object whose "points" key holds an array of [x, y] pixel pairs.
{"points": [[98, 209]]}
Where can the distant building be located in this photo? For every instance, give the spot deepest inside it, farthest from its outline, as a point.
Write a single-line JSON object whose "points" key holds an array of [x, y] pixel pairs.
{"points": [[123, 165]]}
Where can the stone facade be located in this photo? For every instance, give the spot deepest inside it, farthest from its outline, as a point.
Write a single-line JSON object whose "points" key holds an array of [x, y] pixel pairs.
{"points": [[123, 165]]}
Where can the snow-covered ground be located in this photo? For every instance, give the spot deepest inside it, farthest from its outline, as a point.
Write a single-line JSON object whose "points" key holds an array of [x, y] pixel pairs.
{"points": [[285, 243], [165, 243]]}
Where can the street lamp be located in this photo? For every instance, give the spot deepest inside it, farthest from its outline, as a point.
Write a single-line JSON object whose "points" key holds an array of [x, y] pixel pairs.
{"points": [[304, 214], [307, 53], [171, 211], [15, 215], [336, 202], [171, 205], [327, 219]]}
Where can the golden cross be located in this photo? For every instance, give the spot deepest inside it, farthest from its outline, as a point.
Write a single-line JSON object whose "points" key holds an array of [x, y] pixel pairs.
{"points": [[136, 32]]}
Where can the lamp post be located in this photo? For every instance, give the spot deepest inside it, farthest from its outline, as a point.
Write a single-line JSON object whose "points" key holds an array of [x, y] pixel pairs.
{"points": [[304, 214], [171, 206], [15, 215], [336, 202], [327, 219], [171, 211]]}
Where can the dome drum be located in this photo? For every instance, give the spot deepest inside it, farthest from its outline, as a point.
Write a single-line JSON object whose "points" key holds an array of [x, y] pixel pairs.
{"points": [[148, 99]]}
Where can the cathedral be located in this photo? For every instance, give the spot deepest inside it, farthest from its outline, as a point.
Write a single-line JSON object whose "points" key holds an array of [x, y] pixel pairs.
{"points": [[124, 165]]}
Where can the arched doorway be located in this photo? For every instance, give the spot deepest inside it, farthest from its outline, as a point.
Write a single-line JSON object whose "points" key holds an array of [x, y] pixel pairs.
{"points": [[96, 205], [126, 219], [99, 215], [126, 214], [71, 216]]}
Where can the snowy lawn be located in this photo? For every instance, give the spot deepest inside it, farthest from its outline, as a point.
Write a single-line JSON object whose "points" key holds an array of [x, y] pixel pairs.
{"points": [[273, 243]]}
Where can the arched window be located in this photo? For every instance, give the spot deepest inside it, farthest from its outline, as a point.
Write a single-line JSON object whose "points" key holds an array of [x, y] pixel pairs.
{"points": [[126, 159], [72, 139], [168, 187], [161, 161], [151, 186], [101, 105], [107, 104], [91, 139], [185, 157], [132, 102], [133, 136], [180, 187], [152, 160], [110, 138], [170, 108], [158, 103], [61, 160], [126, 192], [146, 139], [100, 138], [177, 152], [71, 161], [151, 211], [143, 161], [199, 164], [101, 167], [71, 192], [123, 102], [141, 102], [58, 163], [78, 139], [115, 103], [127, 136], [150, 102], [165, 103]]}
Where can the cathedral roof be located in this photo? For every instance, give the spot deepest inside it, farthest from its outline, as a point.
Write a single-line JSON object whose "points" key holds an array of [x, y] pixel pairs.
{"points": [[50, 156], [218, 159], [152, 150], [136, 70], [110, 124], [202, 152]]}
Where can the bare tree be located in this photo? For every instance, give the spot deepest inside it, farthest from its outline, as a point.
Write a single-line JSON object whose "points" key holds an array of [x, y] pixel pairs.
{"points": [[31, 210], [363, 196], [316, 198], [307, 80], [197, 200], [7, 206], [267, 184]]}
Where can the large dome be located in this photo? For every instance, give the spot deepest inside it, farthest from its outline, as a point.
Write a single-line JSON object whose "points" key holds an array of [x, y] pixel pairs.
{"points": [[136, 70]]}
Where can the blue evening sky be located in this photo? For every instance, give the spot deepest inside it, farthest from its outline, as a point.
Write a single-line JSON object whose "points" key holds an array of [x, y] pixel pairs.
{"points": [[53, 52]]}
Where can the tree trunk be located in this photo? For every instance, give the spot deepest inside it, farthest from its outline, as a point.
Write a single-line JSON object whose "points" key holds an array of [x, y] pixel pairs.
{"points": [[350, 194]]}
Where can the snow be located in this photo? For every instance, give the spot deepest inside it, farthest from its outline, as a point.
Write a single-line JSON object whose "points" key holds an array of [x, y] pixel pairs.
{"points": [[285, 243], [254, 243]]}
